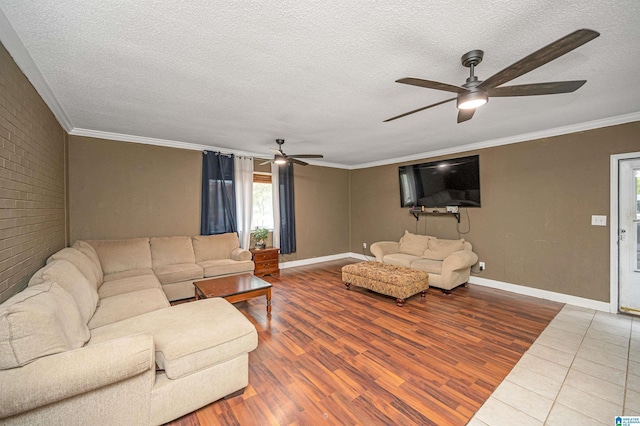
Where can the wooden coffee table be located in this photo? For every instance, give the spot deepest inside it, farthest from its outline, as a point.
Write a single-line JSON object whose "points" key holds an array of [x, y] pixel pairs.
{"points": [[234, 288]]}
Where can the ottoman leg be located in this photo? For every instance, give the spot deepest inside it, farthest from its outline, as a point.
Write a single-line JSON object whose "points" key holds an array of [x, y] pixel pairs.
{"points": [[347, 285], [400, 302]]}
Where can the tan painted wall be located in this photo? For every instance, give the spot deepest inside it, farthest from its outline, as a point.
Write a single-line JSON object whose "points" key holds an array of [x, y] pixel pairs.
{"points": [[534, 226], [32, 180], [126, 190], [322, 212]]}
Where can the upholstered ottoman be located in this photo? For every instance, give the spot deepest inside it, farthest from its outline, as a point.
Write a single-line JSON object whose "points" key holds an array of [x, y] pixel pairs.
{"points": [[390, 280]]}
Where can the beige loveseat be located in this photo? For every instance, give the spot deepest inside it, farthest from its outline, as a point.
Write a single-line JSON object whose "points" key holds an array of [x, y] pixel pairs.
{"points": [[94, 340], [448, 262]]}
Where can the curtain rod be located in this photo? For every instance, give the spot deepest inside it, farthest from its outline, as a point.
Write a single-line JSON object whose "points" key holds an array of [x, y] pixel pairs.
{"points": [[205, 152]]}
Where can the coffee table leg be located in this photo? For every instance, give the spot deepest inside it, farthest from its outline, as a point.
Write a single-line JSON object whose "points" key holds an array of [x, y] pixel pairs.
{"points": [[269, 300]]}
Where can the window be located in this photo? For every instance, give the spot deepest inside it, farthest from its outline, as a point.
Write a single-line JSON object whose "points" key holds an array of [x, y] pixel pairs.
{"points": [[262, 201]]}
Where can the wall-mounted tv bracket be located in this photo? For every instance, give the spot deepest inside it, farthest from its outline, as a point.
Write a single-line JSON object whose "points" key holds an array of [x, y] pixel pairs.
{"points": [[417, 212]]}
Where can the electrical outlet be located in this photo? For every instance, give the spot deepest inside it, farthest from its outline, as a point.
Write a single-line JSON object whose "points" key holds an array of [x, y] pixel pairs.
{"points": [[364, 245], [481, 266]]}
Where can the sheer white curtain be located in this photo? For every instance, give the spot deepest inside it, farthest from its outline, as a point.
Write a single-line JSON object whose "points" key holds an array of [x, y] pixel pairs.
{"points": [[244, 198], [276, 205]]}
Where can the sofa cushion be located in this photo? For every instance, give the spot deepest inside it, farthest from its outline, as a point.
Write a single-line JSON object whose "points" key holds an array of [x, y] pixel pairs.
{"points": [[440, 249], [127, 305], [400, 259], [171, 251], [88, 250], [41, 320], [414, 244], [179, 290], [128, 284], [133, 273], [428, 265], [80, 260], [190, 337], [168, 274], [214, 268], [123, 255], [66, 275], [214, 247]]}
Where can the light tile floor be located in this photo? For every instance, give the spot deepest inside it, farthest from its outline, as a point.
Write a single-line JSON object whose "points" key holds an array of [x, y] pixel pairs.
{"points": [[584, 369]]}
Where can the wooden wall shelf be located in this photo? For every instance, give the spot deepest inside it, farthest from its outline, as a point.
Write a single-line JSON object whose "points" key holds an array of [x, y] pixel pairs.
{"points": [[417, 212]]}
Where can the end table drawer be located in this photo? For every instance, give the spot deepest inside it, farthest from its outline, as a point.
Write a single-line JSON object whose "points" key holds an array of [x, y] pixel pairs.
{"points": [[263, 257]]}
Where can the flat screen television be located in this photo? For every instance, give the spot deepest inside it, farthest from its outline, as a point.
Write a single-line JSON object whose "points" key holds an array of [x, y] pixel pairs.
{"points": [[452, 182]]}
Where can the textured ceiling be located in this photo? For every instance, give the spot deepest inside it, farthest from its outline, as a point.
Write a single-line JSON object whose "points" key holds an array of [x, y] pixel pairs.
{"points": [[320, 74]]}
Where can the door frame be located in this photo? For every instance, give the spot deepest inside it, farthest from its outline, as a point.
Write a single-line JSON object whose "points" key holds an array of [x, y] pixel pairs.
{"points": [[614, 223]]}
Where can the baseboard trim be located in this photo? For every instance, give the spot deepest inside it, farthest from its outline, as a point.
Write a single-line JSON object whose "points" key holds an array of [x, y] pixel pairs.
{"points": [[500, 285], [313, 260], [542, 294]]}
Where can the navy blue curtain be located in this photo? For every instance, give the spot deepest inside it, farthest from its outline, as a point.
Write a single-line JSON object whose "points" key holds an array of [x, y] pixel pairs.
{"points": [[218, 213], [287, 209]]}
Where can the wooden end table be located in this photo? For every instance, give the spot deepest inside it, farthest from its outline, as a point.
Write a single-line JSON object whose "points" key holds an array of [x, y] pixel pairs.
{"points": [[266, 261], [234, 288]]}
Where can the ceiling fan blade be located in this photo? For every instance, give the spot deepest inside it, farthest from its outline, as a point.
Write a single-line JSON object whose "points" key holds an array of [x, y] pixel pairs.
{"points": [[266, 162], [293, 160], [540, 57], [432, 85], [306, 156], [465, 114], [550, 88], [277, 151], [419, 109]]}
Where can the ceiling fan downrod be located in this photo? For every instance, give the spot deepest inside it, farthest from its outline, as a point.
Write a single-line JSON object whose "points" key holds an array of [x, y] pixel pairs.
{"points": [[470, 60]]}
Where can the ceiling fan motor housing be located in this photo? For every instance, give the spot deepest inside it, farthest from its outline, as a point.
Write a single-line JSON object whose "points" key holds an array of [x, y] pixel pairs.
{"points": [[474, 98]]}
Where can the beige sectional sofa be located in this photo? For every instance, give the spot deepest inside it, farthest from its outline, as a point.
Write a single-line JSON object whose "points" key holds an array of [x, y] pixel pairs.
{"points": [[174, 261], [448, 262], [94, 340]]}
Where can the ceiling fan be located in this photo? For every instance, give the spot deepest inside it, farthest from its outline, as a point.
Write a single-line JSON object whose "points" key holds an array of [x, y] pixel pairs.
{"points": [[280, 157], [475, 93]]}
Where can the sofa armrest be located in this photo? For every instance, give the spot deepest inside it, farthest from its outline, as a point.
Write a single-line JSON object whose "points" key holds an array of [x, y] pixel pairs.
{"points": [[462, 259], [56, 377], [240, 254], [383, 248]]}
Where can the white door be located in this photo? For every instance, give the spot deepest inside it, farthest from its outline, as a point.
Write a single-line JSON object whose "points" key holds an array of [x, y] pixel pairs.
{"points": [[629, 236]]}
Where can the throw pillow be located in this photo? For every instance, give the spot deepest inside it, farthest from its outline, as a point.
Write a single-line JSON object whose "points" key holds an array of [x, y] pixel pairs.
{"points": [[88, 250], [441, 249], [414, 244], [82, 262], [67, 276], [40, 320]]}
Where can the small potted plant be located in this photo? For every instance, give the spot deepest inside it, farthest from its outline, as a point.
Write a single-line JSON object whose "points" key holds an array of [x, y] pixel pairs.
{"points": [[260, 236]]}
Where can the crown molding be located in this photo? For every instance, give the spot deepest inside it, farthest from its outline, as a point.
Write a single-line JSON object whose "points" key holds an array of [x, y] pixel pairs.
{"points": [[573, 128], [23, 59], [121, 137]]}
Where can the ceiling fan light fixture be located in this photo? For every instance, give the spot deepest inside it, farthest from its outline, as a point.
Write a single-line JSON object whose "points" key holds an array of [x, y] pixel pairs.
{"points": [[472, 100], [280, 160]]}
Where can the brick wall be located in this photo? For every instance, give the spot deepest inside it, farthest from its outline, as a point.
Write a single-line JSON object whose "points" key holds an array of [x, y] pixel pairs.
{"points": [[32, 180]]}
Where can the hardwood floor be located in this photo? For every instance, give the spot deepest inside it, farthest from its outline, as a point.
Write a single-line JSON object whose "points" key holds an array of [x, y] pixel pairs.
{"points": [[331, 356]]}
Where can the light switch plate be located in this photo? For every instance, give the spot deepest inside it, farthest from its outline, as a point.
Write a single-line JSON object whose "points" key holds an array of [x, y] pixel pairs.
{"points": [[598, 220]]}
